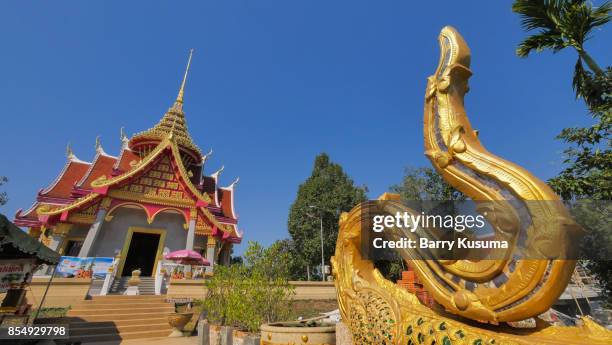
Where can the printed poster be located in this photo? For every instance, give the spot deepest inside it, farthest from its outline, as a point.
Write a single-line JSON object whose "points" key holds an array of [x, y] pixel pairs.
{"points": [[76, 267]]}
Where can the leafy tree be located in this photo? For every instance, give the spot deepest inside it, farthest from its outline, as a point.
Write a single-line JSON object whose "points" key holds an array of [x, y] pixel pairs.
{"points": [[588, 160], [326, 193], [418, 184], [3, 196], [295, 262], [425, 183], [561, 24], [250, 294]]}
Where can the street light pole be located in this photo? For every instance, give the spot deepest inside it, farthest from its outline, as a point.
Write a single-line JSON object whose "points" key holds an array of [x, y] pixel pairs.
{"points": [[322, 253], [321, 234]]}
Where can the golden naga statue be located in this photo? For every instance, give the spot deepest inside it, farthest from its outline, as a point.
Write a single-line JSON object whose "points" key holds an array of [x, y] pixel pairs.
{"points": [[475, 298]]}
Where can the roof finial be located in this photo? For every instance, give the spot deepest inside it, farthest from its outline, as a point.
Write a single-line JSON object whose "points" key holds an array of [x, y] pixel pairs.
{"points": [[69, 153], [99, 148], [206, 156], [216, 174], [124, 139], [231, 186], [179, 98]]}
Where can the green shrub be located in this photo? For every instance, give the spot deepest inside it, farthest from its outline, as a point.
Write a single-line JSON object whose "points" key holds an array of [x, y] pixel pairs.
{"points": [[250, 294]]}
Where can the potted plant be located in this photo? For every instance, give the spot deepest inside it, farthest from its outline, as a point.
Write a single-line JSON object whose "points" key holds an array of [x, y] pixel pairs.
{"points": [[241, 297]]}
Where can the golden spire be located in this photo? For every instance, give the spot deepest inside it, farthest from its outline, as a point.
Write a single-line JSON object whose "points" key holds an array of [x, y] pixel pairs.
{"points": [[179, 98], [172, 124]]}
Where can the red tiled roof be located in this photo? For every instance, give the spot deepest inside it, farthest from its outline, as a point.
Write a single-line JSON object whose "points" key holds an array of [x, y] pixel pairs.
{"points": [[29, 213], [125, 158], [73, 172], [225, 199], [102, 166]]}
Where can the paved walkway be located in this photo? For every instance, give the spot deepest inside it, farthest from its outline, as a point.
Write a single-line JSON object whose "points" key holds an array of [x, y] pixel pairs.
{"points": [[152, 341]]}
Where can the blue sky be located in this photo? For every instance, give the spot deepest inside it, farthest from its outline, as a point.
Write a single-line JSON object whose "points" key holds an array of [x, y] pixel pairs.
{"points": [[273, 83]]}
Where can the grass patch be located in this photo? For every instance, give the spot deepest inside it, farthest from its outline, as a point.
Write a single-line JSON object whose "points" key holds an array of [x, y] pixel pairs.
{"points": [[50, 315]]}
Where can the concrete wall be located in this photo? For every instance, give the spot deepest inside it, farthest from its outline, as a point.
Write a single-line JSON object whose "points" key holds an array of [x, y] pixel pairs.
{"points": [[62, 292], [304, 290], [67, 291], [112, 235], [314, 290]]}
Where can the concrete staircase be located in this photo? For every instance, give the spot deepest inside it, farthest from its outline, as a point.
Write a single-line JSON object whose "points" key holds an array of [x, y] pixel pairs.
{"points": [[146, 287], [112, 318]]}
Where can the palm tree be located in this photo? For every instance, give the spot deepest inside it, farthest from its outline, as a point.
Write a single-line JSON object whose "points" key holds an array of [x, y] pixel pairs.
{"points": [[562, 24]]}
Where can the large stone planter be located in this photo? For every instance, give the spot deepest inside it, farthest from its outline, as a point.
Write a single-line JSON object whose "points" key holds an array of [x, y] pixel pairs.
{"points": [[286, 333], [178, 322], [215, 335]]}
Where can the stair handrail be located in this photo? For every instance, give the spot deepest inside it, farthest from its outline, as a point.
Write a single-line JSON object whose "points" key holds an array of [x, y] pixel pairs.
{"points": [[110, 276]]}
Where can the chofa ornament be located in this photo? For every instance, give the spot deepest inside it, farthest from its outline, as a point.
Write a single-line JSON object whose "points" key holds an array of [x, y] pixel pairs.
{"points": [[489, 292]]}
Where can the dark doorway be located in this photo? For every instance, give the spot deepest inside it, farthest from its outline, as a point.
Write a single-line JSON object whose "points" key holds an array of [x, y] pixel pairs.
{"points": [[141, 254], [73, 248]]}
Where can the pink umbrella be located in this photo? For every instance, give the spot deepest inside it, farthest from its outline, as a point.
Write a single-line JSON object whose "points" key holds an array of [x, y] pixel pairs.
{"points": [[187, 257]]}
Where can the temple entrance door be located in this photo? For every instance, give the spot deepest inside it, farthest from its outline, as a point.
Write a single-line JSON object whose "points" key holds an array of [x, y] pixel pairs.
{"points": [[142, 253]]}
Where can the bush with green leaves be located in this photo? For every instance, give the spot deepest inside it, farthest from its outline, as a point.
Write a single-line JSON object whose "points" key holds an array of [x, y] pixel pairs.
{"points": [[252, 293]]}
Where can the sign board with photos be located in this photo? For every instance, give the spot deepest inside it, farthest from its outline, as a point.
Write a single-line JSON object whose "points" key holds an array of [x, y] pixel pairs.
{"points": [[76, 267], [15, 272]]}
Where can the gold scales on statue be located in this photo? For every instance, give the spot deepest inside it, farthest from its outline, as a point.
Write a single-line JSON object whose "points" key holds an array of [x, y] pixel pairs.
{"points": [[378, 311]]}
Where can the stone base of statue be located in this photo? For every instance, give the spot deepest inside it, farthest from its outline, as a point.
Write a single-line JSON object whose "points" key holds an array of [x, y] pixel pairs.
{"points": [[133, 283]]}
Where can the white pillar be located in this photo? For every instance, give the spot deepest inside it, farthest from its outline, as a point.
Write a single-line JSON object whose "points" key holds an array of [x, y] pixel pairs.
{"points": [[210, 253], [193, 216], [190, 234], [93, 232]]}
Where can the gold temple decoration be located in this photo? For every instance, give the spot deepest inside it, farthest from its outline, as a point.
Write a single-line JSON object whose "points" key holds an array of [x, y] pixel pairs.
{"points": [[173, 122], [379, 312], [179, 98]]}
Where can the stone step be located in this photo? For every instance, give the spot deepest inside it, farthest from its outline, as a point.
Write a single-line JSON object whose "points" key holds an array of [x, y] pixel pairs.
{"points": [[94, 329], [77, 324], [122, 316], [118, 337], [139, 310], [118, 304], [128, 298]]}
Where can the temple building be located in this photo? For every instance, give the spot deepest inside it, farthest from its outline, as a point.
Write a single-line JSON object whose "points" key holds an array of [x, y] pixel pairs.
{"points": [[150, 199]]}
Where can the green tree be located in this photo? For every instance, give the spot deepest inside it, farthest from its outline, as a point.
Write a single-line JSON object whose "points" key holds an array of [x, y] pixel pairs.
{"points": [[561, 24], [418, 184], [588, 160], [294, 262], [252, 293], [3, 196], [326, 193], [421, 184]]}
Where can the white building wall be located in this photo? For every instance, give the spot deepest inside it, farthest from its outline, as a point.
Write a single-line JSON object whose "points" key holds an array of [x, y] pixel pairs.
{"points": [[113, 233]]}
